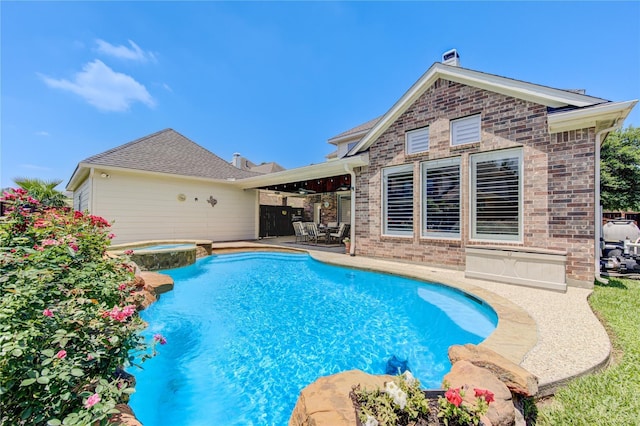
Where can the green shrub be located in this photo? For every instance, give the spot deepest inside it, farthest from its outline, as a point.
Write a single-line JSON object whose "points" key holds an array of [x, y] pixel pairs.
{"points": [[68, 322]]}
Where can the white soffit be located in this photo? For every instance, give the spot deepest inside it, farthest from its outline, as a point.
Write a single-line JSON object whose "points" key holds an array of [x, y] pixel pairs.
{"points": [[587, 117]]}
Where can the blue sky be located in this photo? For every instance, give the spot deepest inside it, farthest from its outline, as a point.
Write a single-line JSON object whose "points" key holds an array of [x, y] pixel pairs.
{"points": [[272, 80]]}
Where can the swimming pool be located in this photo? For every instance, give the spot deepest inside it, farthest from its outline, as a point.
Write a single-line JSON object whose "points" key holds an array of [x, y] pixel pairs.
{"points": [[246, 332]]}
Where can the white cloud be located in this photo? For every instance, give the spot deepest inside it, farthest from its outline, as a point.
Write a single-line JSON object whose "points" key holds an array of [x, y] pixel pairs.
{"points": [[133, 53], [42, 133], [34, 167], [167, 87], [104, 88]]}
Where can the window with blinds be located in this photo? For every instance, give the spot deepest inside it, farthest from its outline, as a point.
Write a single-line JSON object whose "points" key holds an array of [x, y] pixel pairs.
{"points": [[465, 130], [441, 198], [417, 141], [398, 200], [497, 195]]}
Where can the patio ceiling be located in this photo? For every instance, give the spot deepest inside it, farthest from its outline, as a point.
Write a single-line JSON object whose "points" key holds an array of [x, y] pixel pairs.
{"points": [[329, 176], [314, 186]]}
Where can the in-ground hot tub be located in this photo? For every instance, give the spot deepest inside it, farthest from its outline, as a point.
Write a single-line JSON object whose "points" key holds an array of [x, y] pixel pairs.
{"points": [[162, 254]]}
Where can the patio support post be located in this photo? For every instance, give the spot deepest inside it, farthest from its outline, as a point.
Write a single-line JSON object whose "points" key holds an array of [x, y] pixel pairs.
{"points": [[352, 225]]}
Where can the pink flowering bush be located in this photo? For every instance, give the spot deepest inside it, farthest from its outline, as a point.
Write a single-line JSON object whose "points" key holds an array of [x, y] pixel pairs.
{"points": [[67, 324], [454, 413]]}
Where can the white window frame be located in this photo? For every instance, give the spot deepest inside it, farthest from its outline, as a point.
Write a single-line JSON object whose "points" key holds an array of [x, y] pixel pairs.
{"points": [[424, 173], [470, 135], [473, 163], [415, 135], [386, 173]]}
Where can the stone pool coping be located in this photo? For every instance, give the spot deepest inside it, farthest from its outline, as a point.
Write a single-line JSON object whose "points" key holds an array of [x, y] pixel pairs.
{"points": [[553, 335], [120, 248]]}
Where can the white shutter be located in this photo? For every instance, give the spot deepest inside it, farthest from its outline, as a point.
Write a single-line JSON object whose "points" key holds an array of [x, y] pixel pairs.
{"points": [[497, 195], [398, 201], [417, 141], [465, 130], [441, 199]]}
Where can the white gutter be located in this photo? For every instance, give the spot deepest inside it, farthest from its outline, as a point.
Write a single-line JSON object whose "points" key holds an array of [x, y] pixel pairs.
{"points": [[588, 117], [352, 228], [598, 209]]}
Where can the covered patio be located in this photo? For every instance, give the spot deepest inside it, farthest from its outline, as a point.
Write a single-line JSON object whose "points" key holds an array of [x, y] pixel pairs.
{"points": [[329, 192]]}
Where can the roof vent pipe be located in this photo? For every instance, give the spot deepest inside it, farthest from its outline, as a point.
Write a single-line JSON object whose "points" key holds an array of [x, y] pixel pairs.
{"points": [[451, 57]]}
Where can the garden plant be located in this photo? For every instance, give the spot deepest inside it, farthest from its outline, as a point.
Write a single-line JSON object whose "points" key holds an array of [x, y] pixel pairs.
{"points": [[403, 402], [68, 319]]}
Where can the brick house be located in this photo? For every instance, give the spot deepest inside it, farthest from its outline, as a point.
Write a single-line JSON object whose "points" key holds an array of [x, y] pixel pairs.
{"points": [[467, 170], [486, 174]]}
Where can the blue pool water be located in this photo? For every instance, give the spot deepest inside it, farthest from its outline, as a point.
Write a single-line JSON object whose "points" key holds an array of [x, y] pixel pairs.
{"points": [[246, 332]]}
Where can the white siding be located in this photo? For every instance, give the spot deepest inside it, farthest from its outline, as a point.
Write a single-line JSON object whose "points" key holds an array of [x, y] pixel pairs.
{"points": [[143, 207], [344, 147], [81, 196]]}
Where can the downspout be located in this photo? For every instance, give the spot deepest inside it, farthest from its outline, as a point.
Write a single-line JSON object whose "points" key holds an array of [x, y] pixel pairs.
{"points": [[598, 210], [352, 227]]}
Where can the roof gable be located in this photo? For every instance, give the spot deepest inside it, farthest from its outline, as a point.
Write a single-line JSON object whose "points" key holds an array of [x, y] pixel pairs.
{"points": [[554, 98], [168, 152]]}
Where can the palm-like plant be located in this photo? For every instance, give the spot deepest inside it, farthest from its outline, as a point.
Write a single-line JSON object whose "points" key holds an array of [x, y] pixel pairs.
{"points": [[43, 190]]}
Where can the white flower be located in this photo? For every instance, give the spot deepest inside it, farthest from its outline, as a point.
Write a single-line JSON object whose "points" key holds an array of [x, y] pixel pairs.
{"points": [[409, 377], [398, 395], [371, 421], [400, 398], [391, 387]]}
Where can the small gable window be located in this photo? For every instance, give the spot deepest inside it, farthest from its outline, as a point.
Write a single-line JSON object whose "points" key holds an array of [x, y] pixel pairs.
{"points": [[465, 130], [417, 141]]}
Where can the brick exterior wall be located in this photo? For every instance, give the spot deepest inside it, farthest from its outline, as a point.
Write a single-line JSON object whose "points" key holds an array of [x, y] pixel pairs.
{"points": [[558, 178], [327, 214]]}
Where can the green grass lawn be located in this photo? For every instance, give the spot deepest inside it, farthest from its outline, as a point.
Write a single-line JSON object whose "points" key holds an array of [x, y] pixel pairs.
{"points": [[611, 397]]}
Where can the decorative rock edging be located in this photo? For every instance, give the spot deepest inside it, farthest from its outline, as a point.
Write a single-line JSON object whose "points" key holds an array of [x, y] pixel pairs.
{"points": [[516, 378], [326, 402]]}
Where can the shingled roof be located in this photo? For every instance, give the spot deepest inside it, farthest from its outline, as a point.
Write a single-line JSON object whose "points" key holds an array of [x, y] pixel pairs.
{"points": [[358, 129], [169, 152]]}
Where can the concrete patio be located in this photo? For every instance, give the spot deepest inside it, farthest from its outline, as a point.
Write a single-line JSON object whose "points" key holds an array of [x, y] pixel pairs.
{"points": [[553, 335]]}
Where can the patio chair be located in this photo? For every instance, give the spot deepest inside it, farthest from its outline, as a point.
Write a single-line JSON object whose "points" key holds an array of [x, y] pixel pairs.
{"points": [[301, 233], [314, 233], [342, 232]]}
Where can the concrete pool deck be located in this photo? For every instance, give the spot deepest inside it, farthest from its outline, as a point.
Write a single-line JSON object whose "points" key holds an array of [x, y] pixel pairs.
{"points": [[555, 336]]}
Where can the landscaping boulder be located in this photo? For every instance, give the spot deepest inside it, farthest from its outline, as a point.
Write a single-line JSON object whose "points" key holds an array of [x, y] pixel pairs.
{"points": [[465, 374], [138, 281], [517, 379], [326, 401], [143, 298], [160, 283], [125, 417]]}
